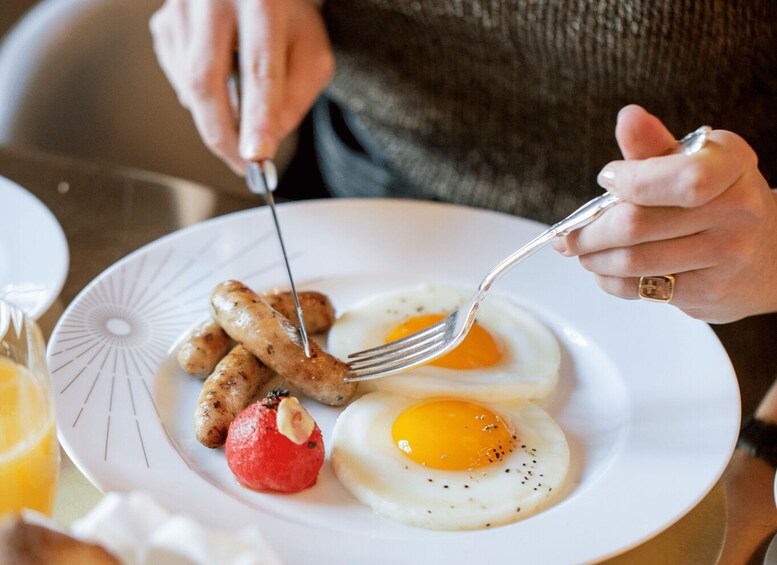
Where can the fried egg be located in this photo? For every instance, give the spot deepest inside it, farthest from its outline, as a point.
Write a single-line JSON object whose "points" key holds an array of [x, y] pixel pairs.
{"points": [[447, 463], [509, 353]]}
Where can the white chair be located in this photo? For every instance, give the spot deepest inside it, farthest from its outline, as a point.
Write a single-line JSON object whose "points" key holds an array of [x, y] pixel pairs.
{"points": [[80, 77]]}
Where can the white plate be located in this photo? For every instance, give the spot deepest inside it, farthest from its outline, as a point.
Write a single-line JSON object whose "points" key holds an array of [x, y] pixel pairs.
{"points": [[647, 396], [34, 255]]}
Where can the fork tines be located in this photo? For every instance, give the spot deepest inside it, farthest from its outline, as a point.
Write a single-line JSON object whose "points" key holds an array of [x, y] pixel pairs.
{"points": [[398, 355]]}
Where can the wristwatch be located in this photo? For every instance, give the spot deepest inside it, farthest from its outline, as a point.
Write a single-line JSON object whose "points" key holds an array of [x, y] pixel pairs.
{"points": [[759, 439]]}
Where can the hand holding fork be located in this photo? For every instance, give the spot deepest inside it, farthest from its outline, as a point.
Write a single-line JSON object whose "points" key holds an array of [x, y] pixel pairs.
{"points": [[444, 336]]}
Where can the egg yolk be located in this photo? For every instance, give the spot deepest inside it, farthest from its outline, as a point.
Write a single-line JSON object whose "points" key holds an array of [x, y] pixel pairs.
{"points": [[479, 348], [452, 435]]}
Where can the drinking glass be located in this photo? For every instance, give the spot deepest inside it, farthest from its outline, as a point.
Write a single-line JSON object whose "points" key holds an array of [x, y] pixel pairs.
{"points": [[29, 450]]}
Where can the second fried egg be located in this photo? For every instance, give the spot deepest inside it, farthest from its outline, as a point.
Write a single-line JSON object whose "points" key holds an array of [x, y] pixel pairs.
{"points": [[449, 464]]}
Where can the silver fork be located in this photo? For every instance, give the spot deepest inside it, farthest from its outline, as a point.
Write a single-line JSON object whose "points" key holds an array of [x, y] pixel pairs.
{"points": [[442, 337]]}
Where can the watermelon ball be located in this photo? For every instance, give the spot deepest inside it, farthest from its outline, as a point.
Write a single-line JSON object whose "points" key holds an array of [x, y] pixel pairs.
{"points": [[265, 458]]}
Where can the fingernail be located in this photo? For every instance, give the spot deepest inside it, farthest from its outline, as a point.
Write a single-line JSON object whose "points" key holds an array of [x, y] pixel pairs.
{"points": [[559, 246], [625, 109], [256, 149], [248, 149], [606, 177]]}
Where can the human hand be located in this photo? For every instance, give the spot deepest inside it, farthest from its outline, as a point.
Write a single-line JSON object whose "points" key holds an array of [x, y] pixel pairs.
{"points": [[285, 62], [709, 219]]}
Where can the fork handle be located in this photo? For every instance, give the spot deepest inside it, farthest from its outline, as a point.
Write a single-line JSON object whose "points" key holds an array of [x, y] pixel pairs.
{"points": [[586, 214], [583, 216]]}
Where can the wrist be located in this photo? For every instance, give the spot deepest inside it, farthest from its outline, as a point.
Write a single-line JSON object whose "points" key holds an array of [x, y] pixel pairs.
{"points": [[758, 438]]}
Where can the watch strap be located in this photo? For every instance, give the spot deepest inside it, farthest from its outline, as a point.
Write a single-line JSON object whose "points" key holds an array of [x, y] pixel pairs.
{"points": [[759, 439]]}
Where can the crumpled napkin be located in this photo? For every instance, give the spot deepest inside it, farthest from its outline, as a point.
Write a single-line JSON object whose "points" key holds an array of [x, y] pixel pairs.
{"points": [[138, 531]]}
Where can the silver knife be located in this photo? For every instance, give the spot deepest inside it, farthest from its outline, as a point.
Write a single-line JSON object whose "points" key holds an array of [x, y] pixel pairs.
{"points": [[262, 178]]}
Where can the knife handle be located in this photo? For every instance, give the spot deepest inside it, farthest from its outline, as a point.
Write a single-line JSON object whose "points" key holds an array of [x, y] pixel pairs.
{"points": [[262, 176]]}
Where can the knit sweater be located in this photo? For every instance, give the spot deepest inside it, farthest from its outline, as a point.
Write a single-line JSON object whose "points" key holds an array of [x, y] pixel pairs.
{"points": [[511, 104]]}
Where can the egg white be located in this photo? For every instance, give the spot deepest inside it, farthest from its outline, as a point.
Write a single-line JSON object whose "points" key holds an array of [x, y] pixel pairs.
{"points": [[528, 369], [375, 471]]}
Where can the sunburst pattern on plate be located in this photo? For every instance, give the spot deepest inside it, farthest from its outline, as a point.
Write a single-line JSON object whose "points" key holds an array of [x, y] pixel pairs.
{"points": [[117, 332]]}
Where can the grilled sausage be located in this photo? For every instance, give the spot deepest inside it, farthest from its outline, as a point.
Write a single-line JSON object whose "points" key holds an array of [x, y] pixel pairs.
{"points": [[317, 310], [249, 319], [227, 391], [203, 349], [208, 343]]}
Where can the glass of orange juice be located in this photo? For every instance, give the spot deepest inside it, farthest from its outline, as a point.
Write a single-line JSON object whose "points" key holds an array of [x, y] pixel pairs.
{"points": [[29, 451]]}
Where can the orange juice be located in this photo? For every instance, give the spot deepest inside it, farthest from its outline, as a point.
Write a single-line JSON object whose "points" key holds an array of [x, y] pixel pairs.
{"points": [[29, 452]]}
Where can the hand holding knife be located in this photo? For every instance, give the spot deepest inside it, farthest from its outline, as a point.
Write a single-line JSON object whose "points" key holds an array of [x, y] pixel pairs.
{"points": [[262, 178]]}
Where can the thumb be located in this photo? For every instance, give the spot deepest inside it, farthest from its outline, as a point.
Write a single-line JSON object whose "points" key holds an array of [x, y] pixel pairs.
{"points": [[641, 135]]}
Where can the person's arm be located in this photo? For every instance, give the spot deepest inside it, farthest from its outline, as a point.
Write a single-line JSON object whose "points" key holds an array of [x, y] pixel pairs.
{"points": [[749, 481], [285, 62]]}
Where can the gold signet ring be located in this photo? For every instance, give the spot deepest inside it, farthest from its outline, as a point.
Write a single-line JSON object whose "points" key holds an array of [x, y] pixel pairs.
{"points": [[656, 288]]}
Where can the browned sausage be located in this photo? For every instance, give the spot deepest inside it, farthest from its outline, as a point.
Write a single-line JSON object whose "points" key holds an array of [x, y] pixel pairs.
{"points": [[203, 349], [227, 391], [249, 319], [317, 310], [208, 343]]}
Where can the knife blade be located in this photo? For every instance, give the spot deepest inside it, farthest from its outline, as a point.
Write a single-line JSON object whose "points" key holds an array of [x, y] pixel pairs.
{"points": [[262, 179]]}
